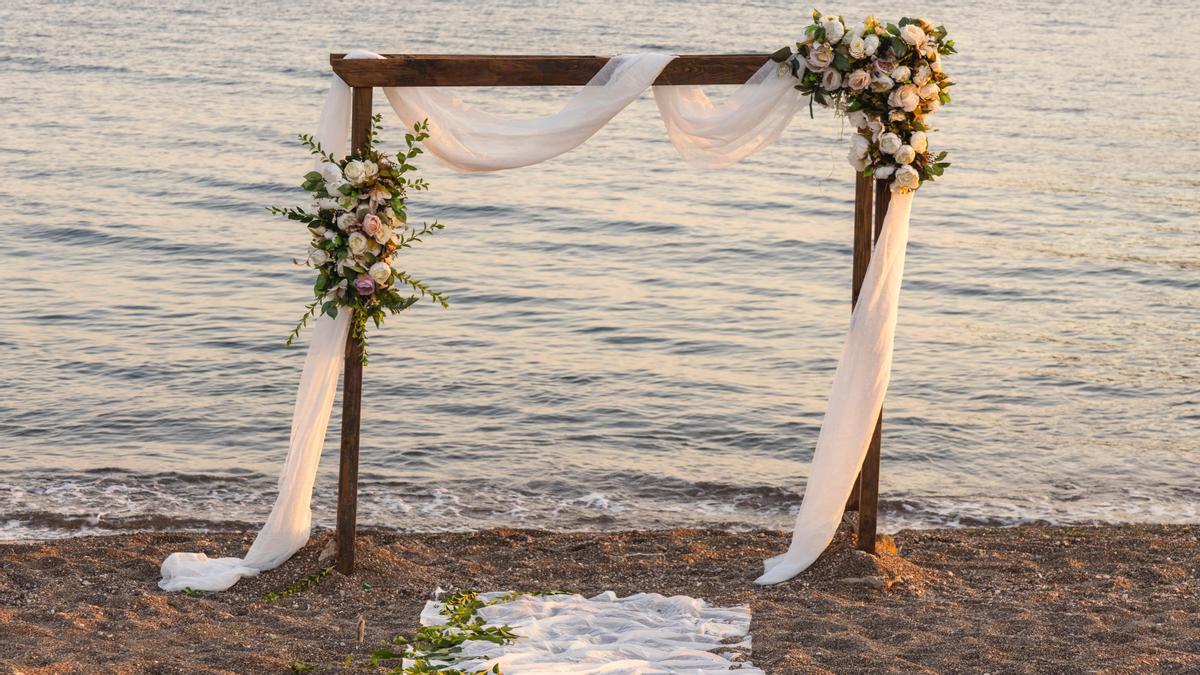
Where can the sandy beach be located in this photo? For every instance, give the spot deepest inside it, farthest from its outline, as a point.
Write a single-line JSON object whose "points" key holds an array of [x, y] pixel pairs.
{"points": [[1028, 599]]}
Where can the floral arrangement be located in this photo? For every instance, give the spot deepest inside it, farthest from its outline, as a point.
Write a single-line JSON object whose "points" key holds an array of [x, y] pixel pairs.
{"points": [[359, 224], [886, 79]]}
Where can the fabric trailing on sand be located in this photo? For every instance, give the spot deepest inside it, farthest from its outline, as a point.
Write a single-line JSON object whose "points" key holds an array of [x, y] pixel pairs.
{"points": [[707, 135], [644, 633]]}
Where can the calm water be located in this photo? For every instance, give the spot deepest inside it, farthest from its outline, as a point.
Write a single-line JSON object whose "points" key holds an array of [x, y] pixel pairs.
{"points": [[632, 342]]}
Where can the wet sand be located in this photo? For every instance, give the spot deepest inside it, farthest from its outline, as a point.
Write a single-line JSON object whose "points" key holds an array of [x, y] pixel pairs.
{"points": [[1014, 600]]}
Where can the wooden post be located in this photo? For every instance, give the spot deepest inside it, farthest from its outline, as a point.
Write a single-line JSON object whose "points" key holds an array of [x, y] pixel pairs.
{"points": [[863, 194], [868, 504], [347, 506]]}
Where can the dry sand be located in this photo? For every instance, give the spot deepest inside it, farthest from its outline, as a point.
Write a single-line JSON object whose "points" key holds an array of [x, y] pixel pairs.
{"points": [[1029, 599]]}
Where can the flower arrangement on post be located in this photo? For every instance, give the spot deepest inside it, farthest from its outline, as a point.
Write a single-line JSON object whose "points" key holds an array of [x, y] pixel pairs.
{"points": [[887, 79], [359, 225]]}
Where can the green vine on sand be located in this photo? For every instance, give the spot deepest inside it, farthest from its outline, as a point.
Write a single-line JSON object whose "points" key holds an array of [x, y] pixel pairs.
{"points": [[306, 581]]}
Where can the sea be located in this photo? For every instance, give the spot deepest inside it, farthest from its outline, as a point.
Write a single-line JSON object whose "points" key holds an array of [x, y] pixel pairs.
{"points": [[631, 342]]}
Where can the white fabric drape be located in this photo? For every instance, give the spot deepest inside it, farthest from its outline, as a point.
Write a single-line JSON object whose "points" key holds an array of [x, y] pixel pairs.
{"points": [[707, 135], [855, 399]]}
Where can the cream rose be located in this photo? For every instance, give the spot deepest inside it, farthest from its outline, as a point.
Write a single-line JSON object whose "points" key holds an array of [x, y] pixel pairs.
{"points": [[857, 119], [907, 178], [331, 173], [936, 64], [906, 97], [905, 155], [913, 35], [853, 31], [859, 145], [858, 80], [871, 44], [318, 257], [381, 272], [922, 76], [930, 90], [882, 83], [346, 221], [919, 141], [901, 73], [859, 162], [357, 243], [831, 80], [834, 30], [384, 235], [889, 143], [857, 48], [356, 171]]}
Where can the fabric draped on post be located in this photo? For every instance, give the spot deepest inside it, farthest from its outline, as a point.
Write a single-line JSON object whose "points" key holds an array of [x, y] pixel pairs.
{"points": [[705, 134]]}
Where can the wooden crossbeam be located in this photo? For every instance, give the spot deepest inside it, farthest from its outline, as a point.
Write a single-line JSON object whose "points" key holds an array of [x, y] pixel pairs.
{"points": [[452, 70]]}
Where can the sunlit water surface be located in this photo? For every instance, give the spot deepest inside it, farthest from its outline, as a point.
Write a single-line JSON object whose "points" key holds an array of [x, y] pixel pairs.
{"points": [[632, 342]]}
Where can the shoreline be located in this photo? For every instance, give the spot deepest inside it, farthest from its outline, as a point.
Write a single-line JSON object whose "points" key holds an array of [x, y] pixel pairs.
{"points": [[1036, 598]]}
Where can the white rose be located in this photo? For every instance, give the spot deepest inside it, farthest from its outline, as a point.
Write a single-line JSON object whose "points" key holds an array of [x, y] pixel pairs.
{"points": [[854, 31], [331, 173], [371, 169], [930, 90], [356, 171], [875, 127], [834, 30], [820, 56], [882, 83], [905, 155], [318, 257], [913, 35], [327, 204], [906, 97], [857, 47], [884, 172], [923, 75], [901, 73], [345, 221], [859, 145], [871, 44], [858, 80], [357, 243], [889, 143], [859, 162], [857, 119], [907, 178], [381, 272], [919, 141], [383, 235], [831, 80]]}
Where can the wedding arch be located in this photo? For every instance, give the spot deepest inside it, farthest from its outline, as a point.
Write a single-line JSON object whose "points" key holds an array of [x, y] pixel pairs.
{"points": [[888, 109]]}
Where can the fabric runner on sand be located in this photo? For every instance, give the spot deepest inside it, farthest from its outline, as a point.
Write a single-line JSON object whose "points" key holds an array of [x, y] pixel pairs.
{"points": [[646, 633]]}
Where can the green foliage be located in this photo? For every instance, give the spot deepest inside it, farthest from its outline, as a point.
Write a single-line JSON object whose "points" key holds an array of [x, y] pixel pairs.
{"points": [[306, 581]]}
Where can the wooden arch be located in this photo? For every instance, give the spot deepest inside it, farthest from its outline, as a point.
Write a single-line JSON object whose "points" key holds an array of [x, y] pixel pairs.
{"points": [[441, 70]]}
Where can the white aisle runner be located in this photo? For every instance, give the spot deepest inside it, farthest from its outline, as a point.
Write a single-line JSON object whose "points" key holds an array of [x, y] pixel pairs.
{"points": [[646, 633]]}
